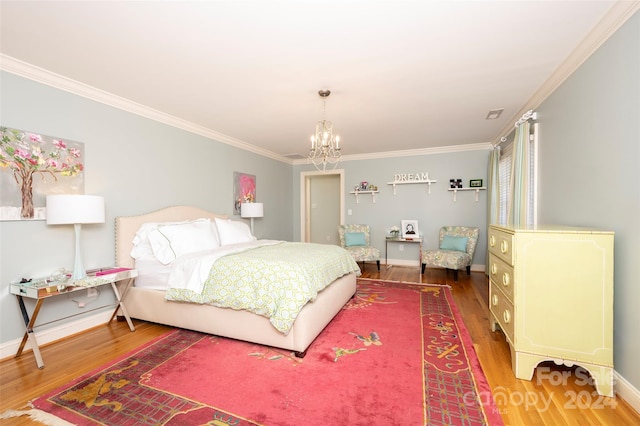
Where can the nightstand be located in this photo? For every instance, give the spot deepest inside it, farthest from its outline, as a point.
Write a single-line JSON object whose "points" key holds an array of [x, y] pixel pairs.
{"points": [[42, 289]]}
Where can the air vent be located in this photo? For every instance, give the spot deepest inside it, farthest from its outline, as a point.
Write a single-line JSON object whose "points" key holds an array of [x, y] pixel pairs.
{"points": [[295, 156], [494, 114]]}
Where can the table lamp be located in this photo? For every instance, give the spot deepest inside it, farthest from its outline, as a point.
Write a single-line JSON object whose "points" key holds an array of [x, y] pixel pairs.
{"points": [[251, 210], [75, 209]]}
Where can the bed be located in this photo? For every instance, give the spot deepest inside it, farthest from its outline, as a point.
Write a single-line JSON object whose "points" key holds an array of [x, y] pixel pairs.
{"points": [[149, 304]]}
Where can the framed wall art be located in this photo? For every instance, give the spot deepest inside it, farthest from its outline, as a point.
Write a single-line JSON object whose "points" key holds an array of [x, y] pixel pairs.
{"points": [[33, 166], [410, 229], [244, 190]]}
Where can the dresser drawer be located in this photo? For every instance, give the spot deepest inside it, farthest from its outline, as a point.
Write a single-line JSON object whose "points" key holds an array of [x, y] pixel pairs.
{"points": [[501, 244], [502, 275], [502, 310]]}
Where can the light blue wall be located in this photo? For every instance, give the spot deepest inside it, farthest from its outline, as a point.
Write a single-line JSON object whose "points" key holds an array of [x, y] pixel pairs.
{"points": [[589, 159], [138, 165], [413, 201]]}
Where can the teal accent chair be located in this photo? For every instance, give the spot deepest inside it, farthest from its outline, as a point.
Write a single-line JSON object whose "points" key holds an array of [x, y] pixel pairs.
{"points": [[356, 240], [451, 254]]}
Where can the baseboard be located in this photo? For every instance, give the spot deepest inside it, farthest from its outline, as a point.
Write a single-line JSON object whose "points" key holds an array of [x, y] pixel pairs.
{"points": [[626, 391], [476, 267], [9, 349], [402, 262]]}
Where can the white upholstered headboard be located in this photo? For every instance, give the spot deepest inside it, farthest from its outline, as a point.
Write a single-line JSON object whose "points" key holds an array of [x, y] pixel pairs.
{"points": [[127, 226]]}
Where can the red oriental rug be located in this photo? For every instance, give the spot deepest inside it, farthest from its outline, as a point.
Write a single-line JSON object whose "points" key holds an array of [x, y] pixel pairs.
{"points": [[397, 354]]}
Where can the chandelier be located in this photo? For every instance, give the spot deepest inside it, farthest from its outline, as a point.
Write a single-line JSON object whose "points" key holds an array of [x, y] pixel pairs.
{"points": [[325, 145]]}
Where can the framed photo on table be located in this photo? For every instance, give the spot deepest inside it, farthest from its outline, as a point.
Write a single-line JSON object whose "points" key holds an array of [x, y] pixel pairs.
{"points": [[410, 229]]}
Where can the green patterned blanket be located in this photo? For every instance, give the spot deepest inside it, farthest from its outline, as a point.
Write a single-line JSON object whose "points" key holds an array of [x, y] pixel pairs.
{"points": [[275, 281]]}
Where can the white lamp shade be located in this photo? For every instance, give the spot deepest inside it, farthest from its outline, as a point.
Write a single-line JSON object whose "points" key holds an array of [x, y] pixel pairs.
{"points": [[251, 210], [69, 209]]}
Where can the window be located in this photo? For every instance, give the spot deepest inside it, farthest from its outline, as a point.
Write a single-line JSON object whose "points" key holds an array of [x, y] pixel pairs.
{"points": [[505, 178]]}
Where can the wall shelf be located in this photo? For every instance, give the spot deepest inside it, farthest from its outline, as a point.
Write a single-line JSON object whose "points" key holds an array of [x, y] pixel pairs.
{"points": [[427, 182], [357, 194], [477, 190]]}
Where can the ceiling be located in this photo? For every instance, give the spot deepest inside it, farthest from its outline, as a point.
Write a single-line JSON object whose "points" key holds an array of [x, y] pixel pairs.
{"points": [[404, 75]]}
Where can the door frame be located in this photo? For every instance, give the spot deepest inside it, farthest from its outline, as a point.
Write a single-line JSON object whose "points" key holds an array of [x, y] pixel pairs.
{"points": [[305, 178]]}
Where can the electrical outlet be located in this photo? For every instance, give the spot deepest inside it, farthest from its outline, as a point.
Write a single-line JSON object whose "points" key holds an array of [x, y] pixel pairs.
{"points": [[92, 292], [401, 247]]}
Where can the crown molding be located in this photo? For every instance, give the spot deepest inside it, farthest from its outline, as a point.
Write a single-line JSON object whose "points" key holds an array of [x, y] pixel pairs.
{"points": [[411, 152], [41, 75], [619, 13]]}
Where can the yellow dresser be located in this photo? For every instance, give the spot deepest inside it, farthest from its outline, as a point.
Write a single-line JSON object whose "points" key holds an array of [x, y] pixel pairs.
{"points": [[551, 293]]}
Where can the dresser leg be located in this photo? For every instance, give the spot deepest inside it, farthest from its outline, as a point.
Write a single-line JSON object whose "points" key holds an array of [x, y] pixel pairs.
{"points": [[603, 379], [523, 365]]}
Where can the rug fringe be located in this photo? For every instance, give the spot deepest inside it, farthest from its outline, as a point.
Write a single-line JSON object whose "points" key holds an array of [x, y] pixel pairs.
{"points": [[36, 415]]}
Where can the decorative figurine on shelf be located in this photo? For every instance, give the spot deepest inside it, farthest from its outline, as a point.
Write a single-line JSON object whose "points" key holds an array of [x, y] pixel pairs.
{"points": [[455, 183], [365, 186]]}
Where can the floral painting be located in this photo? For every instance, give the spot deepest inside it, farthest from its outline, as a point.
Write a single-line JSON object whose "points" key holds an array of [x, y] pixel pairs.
{"points": [[33, 166], [244, 190]]}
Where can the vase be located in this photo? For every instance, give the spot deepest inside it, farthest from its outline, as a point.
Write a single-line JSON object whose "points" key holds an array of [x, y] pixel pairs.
{"points": [[26, 188]]}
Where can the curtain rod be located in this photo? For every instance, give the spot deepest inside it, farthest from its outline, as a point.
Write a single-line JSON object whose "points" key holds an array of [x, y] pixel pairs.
{"points": [[526, 116]]}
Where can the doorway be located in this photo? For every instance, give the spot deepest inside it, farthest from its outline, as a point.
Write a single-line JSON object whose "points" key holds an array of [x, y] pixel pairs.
{"points": [[321, 206]]}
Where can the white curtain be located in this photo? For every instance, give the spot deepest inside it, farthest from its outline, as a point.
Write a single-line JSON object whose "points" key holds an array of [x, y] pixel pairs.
{"points": [[493, 192]]}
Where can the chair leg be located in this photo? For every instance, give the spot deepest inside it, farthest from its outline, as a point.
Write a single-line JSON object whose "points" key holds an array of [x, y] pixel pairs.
{"points": [[423, 265], [469, 270], [455, 275], [378, 263]]}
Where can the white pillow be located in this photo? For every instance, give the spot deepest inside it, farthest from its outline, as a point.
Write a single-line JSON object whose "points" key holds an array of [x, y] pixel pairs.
{"points": [[233, 231], [141, 245], [169, 242]]}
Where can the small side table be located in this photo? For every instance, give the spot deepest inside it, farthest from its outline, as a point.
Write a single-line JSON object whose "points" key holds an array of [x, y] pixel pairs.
{"points": [[403, 240], [42, 289]]}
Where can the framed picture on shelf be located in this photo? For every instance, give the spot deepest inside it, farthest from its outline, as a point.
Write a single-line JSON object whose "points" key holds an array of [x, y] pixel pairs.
{"points": [[410, 229], [475, 183]]}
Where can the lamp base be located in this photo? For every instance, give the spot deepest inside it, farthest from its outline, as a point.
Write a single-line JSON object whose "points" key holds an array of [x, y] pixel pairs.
{"points": [[78, 267]]}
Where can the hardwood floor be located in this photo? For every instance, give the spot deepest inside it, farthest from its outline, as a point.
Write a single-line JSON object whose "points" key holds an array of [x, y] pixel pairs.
{"points": [[546, 400]]}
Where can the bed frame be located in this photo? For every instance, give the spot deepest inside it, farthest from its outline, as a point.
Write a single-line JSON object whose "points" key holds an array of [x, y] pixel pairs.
{"points": [[150, 305]]}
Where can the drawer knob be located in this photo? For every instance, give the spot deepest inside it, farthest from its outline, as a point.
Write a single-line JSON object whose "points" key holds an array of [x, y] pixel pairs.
{"points": [[492, 241], [506, 315], [506, 279], [494, 269], [494, 300], [504, 246]]}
